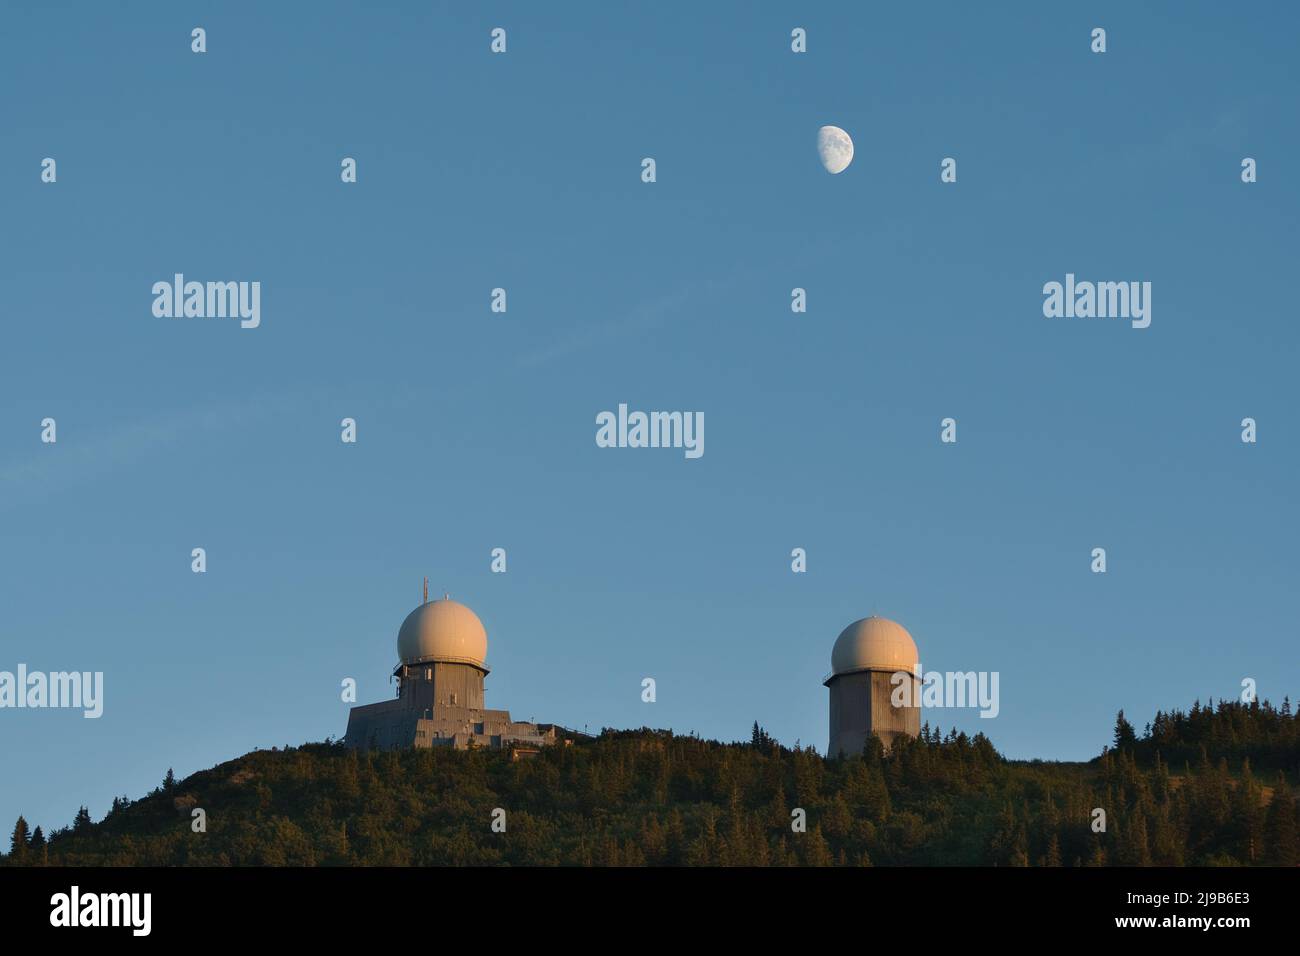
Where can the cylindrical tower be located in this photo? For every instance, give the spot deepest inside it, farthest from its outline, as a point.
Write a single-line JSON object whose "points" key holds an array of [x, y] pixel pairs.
{"points": [[866, 657]]}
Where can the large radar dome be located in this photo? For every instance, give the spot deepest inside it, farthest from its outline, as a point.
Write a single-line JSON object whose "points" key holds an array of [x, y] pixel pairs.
{"points": [[442, 631], [876, 644]]}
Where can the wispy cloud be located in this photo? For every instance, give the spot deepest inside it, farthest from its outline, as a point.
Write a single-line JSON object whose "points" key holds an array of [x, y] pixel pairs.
{"points": [[78, 459], [649, 315]]}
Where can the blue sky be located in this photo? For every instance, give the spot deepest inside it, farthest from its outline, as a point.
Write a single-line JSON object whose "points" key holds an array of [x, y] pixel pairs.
{"points": [[476, 430]]}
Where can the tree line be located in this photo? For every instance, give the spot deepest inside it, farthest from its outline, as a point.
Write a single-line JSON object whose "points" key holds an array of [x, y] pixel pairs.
{"points": [[1209, 787]]}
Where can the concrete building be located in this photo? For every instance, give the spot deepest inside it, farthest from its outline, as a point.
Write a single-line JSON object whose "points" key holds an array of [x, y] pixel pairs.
{"points": [[867, 655], [442, 649]]}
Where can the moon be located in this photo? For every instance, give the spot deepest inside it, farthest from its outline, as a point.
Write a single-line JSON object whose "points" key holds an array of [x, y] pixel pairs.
{"points": [[835, 148]]}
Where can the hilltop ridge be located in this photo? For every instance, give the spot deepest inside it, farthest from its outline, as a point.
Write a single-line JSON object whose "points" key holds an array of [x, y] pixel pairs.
{"points": [[652, 797]]}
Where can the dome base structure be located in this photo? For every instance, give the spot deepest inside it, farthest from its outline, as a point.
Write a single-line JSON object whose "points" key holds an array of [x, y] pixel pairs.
{"points": [[861, 705], [440, 698]]}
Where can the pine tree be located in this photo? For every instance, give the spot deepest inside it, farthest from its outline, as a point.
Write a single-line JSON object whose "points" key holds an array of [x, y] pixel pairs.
{"points": [[40, 850], [738, 833], [81, 823], [1053, 855], [632, 855], [18, 843], [1247, 815], [816, 852], [653, 842], [1135, 850], [1166, 847], [1125, 738], [169, 781], [1003, 843], [1280, 838]]}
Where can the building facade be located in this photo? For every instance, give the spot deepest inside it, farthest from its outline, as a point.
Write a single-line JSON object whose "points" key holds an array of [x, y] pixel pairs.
{"points": [[442, 650]]}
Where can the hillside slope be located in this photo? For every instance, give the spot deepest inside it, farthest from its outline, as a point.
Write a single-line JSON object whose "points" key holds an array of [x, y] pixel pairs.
{"points": [[651, 797]]}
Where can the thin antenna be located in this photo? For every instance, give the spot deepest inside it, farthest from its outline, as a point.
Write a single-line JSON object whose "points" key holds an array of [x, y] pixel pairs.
{"points": [[426, 590]]}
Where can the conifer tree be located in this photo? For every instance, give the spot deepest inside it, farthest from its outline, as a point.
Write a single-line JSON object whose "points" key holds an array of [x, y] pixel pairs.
{"points": [[18, 843], [1053, 855], [1136, 852], [1247, 815], [816, 852], [1280, 827], [1125, 737]]}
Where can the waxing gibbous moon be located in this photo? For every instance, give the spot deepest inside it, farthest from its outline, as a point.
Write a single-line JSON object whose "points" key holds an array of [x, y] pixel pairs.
{"points": [[835, 148]]}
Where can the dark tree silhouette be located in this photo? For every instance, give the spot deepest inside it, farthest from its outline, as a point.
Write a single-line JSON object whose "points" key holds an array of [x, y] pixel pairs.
{"points": [[18, 842], [1125, 737]]}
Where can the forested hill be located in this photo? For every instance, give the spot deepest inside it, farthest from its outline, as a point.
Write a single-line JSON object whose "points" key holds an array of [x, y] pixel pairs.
{"points": [[651, 797]]}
